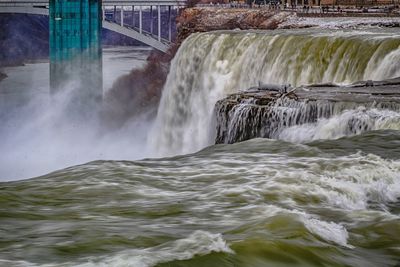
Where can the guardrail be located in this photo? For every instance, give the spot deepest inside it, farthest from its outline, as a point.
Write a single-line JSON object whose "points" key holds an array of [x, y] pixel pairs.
{"points": [[180, 3]]}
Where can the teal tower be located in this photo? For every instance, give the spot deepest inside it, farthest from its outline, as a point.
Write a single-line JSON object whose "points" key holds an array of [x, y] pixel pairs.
{"points": [[75, 49]]}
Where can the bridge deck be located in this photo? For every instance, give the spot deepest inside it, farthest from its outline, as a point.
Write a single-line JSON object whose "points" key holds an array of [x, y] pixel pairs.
{"points": [[40, 7], [105, 2]]}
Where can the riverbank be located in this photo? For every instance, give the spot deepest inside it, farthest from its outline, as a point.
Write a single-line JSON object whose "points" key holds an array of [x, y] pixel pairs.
{"points": [[337, 22], [349, 15], [205, 19]]}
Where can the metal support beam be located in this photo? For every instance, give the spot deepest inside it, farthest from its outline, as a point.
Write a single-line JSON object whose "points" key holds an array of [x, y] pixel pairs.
{"points": [[115, 14], [122, 16], [146, 39], [133, 16], [140, 19], [151, 20], [169, 24], [159, 23]]}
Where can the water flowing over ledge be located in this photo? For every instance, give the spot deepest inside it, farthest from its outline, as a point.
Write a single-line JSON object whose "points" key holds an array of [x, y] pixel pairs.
{"points": [[209, 66], [308, 113]]}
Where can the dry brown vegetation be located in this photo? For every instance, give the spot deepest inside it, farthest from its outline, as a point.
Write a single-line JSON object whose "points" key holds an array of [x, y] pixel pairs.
{"points": [[138, 91]]}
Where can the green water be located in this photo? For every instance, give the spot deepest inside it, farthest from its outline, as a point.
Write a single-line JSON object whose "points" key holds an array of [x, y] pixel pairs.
{"points": [[257, 203]]}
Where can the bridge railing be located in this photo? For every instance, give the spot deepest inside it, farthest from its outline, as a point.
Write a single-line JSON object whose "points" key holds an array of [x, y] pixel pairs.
{"points": [[179, 3], [161, 22], [145, 2]]}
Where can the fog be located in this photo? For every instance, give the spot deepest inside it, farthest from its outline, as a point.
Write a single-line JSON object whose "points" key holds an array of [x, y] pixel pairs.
{"points": [[38, 135]]}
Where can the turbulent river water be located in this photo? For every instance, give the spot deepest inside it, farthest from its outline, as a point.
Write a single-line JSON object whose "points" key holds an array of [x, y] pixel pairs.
{"points": [[257, 203], [315, 195]]}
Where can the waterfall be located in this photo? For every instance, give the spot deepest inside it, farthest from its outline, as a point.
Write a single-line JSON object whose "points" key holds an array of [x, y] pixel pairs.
{"points": [[301, 121], [209, 66]]}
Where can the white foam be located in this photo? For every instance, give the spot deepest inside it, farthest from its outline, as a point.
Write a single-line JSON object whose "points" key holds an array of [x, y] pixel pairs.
{"points": [[357, 181], [197, 244], [10, 263], [329, 231], [350, 122]]}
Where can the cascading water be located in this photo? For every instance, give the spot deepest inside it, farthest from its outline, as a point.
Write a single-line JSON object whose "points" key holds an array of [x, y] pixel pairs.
{"points": [[350, 122], [301, 121], [209, 66]]}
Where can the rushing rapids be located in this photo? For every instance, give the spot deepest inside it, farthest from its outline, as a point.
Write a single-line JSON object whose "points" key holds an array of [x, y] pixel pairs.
{"points": [[256, 203], [209, 66]]}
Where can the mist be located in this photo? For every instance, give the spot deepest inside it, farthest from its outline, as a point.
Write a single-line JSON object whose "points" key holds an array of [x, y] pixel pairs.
{"points": [[38, 135]]}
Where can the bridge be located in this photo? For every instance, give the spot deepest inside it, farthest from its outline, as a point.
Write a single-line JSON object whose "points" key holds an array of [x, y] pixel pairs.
{"points": [[118, 9]]}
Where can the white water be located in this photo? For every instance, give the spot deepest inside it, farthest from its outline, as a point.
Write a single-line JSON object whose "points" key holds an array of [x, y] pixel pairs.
{"points": [[210, 202], [208, 66], [302, 121], [198, 243], [36, 136], [349, 122]]}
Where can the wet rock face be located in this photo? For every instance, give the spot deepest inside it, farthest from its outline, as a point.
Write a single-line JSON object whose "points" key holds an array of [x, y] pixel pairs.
{"points": [[248, 115], [266, 114]]}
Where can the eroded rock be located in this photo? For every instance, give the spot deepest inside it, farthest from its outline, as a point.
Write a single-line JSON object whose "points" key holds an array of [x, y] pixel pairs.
{"points": [[266, 113]]}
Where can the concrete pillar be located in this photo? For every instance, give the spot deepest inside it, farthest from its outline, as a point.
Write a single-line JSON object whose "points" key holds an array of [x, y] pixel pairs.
{"points": [[159, 23], [103, 12], [122, 16], [169, 24], [140, 19], [71, 55]]}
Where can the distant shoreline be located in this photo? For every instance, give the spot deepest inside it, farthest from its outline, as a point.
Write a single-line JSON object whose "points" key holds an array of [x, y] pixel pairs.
{"points": [[21, 63]]}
